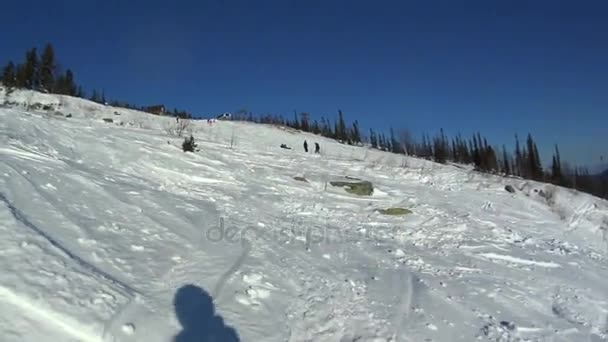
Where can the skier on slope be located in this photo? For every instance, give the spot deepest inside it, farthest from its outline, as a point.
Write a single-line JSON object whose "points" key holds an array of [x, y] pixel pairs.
{"points": [[317, 148], [305, 146]]}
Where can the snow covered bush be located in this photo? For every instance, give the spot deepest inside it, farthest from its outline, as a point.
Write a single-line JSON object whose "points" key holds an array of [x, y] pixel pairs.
{"points": [[140, 122], [178, 128], [189, 145], [548, 193]]}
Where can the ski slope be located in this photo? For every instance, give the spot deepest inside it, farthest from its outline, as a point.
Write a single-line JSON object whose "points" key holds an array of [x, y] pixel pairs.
{"points": [[109, 232]]}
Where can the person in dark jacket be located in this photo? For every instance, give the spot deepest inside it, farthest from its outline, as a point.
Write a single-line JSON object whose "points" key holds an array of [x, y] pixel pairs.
{"points": [[317, 148], [305, 146]]}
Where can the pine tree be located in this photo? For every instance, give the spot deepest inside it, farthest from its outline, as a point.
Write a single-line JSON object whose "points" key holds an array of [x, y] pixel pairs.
{"points": [[326, 128], [476, 152], [556, 168], [94, 96], [296, 123], [323, 127], [406, 142], [538, 167], [9, 77], [20, 79], [330, 133], [422, 150], [506, 168], [71, 87], [440, 148], [472, 152], [304, 122], [31, 69], [484, 155], [70, 83], [315, 127], [47, 69], [534, 165], [384, 143], [513, 162], [554, 172], [575, 177], [518, 167], [531, 160], [395, 148], [525, 164], [336, 134], [463, 150], [103, 96], [356, 135], [491, 160], [430, 148], [373, 139], [64, 84], [427, 147], [460, 150], [439, 154], [445, 145], [341, 127], [466, 152], [59, 87], [423, 147]]}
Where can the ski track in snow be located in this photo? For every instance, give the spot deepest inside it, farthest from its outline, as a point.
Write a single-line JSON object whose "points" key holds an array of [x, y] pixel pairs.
{"points": [[127, 290], [102, 223], [515, 260], [71, 327]]}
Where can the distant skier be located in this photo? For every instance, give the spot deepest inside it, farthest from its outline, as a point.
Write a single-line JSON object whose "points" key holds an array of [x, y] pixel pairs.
{"points": [[305, 146], [317, 148]]}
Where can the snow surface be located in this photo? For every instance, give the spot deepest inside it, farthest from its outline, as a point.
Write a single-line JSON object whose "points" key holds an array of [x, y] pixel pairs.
{"points": [[104, 225]]}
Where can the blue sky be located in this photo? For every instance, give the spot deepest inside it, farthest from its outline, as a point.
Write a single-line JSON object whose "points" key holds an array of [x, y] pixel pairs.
{"points": [[500, 67]]}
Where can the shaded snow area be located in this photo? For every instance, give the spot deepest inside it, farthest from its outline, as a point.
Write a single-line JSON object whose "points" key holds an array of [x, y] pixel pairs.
{"points": [[109, 232]]}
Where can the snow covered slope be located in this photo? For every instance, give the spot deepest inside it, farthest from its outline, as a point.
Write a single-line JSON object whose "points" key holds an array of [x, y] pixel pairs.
{"points": [[109, 232]]}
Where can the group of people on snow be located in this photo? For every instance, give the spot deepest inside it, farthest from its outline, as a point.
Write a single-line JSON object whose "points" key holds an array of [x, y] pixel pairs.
{"points": [[317, 147]]}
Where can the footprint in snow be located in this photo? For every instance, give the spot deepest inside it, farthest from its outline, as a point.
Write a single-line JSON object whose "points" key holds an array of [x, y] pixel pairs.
{"points": [[86, 242], [128, 329], [49, 186], [256, 290], [488, 206], [137, 248], [176, 258]]}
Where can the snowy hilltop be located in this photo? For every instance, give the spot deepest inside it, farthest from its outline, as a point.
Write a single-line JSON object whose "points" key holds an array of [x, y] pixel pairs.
{"points": [[110, 232]]}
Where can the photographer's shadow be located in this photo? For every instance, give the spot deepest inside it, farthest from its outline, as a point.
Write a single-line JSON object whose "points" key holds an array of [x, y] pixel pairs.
{"points": [[196, 313]]}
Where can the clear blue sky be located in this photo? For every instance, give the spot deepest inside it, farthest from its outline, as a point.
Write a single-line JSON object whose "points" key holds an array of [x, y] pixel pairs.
{"points": [[500, 67]]}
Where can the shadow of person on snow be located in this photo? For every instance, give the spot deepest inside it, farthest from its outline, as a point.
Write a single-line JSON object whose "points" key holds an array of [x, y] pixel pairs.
{"points": [[196, 313]]}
